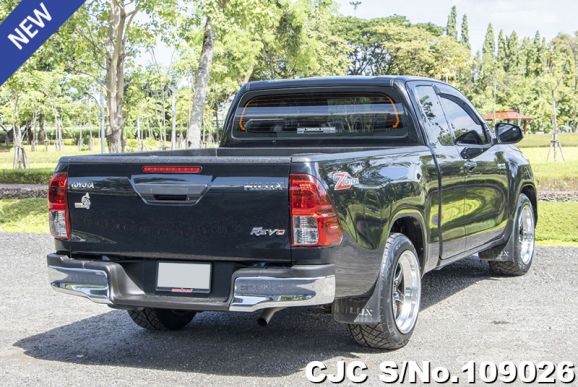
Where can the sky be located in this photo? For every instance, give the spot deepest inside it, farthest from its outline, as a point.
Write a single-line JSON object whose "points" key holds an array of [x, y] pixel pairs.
{"points": [[523, 16]]}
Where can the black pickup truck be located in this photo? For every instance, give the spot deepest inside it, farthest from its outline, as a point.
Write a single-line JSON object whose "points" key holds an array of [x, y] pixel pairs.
{"points": [[324, 191]]}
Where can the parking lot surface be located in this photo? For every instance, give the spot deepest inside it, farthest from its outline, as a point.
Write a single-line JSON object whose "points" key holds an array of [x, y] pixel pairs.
{"points": [[467, 314]]}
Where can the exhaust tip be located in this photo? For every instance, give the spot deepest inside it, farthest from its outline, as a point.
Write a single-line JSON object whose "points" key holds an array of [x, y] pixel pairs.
{"points": [[262, 322], [266, 316]]}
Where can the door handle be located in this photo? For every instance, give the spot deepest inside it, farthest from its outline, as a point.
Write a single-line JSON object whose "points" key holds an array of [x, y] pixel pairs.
{"points": [[470, 165]]}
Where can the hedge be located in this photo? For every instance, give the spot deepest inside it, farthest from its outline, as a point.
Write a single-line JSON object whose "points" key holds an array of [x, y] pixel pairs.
{"points": [[26, 176]]}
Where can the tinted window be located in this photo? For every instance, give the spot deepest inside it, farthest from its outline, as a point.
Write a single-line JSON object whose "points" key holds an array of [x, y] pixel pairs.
{"points": [[466, 127], [323, 115], [438, 131]]}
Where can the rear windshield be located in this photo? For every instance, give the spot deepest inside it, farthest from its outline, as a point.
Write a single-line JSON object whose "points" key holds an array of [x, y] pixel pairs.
{"points": [[323, 115]]}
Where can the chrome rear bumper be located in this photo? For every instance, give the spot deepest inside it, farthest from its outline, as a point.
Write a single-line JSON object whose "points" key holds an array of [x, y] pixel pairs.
{"points": [[251, 289], [92, 284]]}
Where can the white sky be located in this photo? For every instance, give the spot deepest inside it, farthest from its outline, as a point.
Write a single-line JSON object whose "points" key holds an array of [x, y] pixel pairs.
{"points": [[523, 16]]}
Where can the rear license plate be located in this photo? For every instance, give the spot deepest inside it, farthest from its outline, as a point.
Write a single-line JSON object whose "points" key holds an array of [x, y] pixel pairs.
{"points": [[184, 277]]}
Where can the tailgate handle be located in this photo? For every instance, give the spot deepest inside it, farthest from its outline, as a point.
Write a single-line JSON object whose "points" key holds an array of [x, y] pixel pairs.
{"points": [[157, 193]]}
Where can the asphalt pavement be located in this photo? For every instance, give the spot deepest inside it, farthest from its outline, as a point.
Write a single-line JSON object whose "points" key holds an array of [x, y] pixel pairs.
{"points": [[467, 315]]}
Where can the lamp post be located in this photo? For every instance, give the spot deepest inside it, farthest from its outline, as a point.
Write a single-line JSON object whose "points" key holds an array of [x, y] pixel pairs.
{"points": [[355, 4]]}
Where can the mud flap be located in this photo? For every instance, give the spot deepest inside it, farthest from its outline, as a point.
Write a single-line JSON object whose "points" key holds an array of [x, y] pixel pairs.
{"points": [[502, 253], [362, 310]]}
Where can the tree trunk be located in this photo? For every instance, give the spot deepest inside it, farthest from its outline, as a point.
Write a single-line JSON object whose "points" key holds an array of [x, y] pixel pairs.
{"points": [[34, 141], [115, 76], [201, 88], [20, 159], [41, 128]]}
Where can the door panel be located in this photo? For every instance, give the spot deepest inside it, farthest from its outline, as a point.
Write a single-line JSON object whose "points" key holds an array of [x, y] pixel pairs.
{"points": [[485, 168], [450, 216], [487, 197]]}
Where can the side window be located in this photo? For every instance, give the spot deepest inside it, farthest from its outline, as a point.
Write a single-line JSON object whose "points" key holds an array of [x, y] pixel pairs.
{"points": [[467, 129], [438, 130]]}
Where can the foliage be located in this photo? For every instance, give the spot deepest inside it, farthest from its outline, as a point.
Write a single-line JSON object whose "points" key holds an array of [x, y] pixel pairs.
{"points": [[465, 36], [395, 46], [304, 43], [451, 27], [534, 77], [26, 176], [64, 83]]}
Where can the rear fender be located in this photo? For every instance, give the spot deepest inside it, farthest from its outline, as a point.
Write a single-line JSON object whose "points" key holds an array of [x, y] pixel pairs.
{"points": [[370, 310]]}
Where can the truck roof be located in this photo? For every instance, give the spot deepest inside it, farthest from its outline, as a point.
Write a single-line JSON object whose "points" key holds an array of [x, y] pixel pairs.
{"points": [[351, 80]]}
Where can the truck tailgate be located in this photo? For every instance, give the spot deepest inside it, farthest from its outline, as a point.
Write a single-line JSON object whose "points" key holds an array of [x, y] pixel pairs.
{"points": [[233, 209]]}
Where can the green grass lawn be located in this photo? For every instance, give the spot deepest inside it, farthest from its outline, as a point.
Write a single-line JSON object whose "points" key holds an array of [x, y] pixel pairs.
{"points": [[24, 216], [554, 176], [557, 223], [41, 158], [543, 140]]}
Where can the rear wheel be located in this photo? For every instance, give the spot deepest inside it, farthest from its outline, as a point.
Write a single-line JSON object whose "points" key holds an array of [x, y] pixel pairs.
{"points": [[161, 319], [524, 240], [402, 293]]}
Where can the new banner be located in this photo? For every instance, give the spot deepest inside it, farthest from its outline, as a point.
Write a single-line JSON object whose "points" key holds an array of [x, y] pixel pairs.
{"points": [[30, 24]]}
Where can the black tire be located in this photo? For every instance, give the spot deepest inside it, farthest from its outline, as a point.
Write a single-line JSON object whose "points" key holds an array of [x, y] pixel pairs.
{"points": [[387, 335], [161, 319], [519, 266]]}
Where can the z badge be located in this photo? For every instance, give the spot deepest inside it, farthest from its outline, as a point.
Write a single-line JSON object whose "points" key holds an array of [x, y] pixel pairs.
{"points": [[343, 180]]}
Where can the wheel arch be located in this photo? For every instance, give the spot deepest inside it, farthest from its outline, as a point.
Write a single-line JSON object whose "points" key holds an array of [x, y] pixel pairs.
{"points": [[530, 191], [412, 225]]}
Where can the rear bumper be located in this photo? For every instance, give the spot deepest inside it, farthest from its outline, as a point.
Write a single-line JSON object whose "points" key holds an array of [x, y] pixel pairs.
{"points": [[251, 289]]}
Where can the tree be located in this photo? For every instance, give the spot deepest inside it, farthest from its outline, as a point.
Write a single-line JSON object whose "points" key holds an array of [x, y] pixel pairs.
{"points": [[220, 16], [489, 47], [502, 51], [366, 53], [113, 36], [305, 43], [465, 36], [451, 26], [412, 50], [121, 19]]}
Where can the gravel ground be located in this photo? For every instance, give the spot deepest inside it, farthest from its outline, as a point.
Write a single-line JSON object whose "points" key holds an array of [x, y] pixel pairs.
{"points": [[53, 339]]}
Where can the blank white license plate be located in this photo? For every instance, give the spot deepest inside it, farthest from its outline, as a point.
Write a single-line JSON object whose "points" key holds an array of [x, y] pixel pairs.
{"points": [[183, 277]]}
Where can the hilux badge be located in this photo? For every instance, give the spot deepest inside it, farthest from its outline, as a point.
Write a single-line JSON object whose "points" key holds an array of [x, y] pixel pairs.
{"points": [[84, 202]]}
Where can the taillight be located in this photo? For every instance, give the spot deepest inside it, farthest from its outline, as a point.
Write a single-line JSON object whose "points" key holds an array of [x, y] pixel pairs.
{"points": [[313, 217], [58, 207]]}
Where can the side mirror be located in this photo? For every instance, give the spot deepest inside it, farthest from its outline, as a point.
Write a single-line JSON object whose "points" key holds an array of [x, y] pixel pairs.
{"points": [[508, 133]]}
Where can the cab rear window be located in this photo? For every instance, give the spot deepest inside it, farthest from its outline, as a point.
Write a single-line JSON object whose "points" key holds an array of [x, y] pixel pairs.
{"points": [[322, 114]]}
